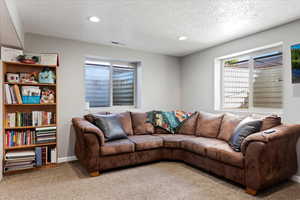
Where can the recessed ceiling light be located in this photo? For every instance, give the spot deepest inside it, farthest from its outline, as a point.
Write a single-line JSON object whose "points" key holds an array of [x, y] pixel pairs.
{"points": [[181, 38], [94, 19]]}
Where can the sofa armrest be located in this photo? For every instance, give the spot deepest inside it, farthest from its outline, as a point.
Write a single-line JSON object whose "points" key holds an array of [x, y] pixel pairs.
{"points": [[282, 131], [270, 158], [84, 127]]}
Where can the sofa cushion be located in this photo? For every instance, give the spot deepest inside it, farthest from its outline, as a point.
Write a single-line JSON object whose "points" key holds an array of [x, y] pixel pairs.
{"points": [[224, 153], [229, 123], [270, 122], [199, 145], [208, 125], [174, 141], [140, 124], [144, 142], [245, 128], [117, 147], [125, 119], [189, 125], [159, 130], [111, 126], [91, 117]]}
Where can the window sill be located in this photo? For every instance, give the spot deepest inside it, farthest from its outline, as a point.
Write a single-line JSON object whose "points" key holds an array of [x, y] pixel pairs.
{"points": [[111, 109], [255, 111]]}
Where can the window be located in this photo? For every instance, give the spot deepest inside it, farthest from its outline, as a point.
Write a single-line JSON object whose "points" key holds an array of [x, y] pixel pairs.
{"points": [[110, 84], [252, 82]]}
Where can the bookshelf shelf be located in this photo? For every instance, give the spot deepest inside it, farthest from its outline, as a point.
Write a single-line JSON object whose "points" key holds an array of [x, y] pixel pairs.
{"points": [[29, 127], [29, 146], [30, 65], [51, 165], [44, 104], [32, 84], [16, 114]]}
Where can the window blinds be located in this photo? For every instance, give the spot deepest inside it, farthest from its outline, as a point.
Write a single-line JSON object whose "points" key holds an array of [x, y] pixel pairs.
{"points": [[267, 82], [123, 86], [253, 82], [97, 85], [236, 84]]}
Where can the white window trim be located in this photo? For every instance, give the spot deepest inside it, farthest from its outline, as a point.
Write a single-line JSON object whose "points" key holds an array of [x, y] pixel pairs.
{"points": [[111, 65], [218, 86]]}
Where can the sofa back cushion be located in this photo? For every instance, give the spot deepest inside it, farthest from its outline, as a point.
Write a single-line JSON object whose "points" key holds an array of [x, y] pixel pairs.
{"points": [[229, 123], [91, 117], [111, 126], [140, 124], [188, 127], [208, 125], [270, 122], [124, 117], [159, 130]]}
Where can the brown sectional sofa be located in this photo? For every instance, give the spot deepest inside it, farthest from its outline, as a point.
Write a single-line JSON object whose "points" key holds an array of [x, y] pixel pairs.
{"points": [[202, 141]]}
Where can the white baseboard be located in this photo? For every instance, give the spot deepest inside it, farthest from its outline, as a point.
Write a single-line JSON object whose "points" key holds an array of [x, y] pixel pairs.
{"points": [[296, 178], [66, 159]]}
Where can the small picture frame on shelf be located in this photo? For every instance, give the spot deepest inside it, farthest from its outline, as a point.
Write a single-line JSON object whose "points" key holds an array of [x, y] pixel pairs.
{"points": [[12, 77]]}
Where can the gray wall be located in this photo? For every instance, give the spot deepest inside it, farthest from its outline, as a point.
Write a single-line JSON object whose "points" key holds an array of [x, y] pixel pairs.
{"points": [[159, 75], [197, 70]]}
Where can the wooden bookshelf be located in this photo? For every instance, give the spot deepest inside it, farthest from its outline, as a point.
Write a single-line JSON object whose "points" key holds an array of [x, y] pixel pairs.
{"points": [[30, 146], [29, 127], [28, 65], [44, 104], [32, 84], [16, 67], [51, 165]]}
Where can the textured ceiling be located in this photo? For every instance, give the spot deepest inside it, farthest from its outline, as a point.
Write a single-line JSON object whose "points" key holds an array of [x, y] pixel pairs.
{"points": [[154, 25]]}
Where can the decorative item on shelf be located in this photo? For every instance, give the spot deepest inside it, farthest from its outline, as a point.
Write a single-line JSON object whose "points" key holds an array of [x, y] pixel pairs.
{"points": [[31, 94], [47, 96], [47, 76], [26, 77], [9, 54], [28, 59], [12, 77], [49, 59]]}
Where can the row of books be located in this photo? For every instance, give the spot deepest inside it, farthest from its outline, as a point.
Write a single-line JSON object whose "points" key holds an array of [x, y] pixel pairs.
{"points": [[45, 155], [34, 118], [20, 160], [14, 96], [45, 135], [19, 137], [28, 137]]}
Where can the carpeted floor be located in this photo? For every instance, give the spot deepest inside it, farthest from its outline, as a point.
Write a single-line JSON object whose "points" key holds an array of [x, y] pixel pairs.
{"points": [[162, 180]]}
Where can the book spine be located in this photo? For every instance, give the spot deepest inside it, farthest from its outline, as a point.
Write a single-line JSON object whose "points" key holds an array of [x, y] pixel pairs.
{"points": [[7, 94], [38, 156]]}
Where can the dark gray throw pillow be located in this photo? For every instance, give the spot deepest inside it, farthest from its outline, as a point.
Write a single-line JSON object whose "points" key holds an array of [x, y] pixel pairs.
{"points": [[111, 126], [245, 128]]}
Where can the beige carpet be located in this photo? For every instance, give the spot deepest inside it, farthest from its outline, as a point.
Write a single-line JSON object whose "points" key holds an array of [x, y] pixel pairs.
{"points": [[163, 180]]}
